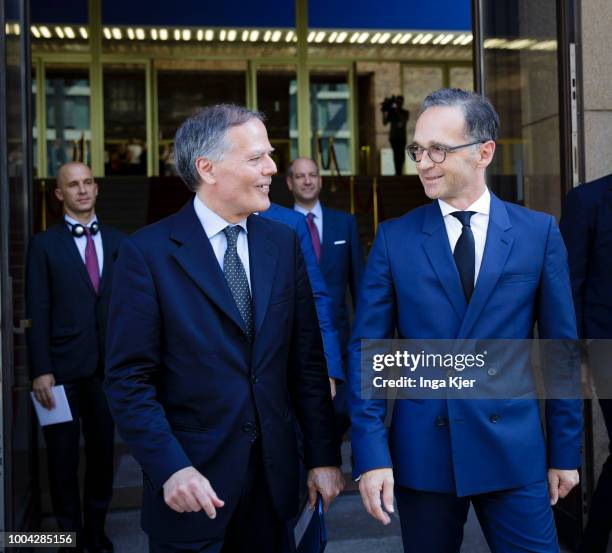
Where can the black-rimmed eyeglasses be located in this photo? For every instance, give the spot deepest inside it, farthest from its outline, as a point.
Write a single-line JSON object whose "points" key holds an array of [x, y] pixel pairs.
{"points": [[436, 153]]}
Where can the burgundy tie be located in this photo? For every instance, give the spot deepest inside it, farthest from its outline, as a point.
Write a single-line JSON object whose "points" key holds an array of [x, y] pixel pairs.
{"points": [[314, 235], [91, 261]]}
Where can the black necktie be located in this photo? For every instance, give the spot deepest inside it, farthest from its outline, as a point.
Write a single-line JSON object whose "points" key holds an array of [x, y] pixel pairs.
{"points": [[465, 253], [236, 277]]}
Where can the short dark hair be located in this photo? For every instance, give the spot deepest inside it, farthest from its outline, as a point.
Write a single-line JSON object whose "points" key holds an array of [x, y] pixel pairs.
{"points": [[481, 119], [204, 134]]}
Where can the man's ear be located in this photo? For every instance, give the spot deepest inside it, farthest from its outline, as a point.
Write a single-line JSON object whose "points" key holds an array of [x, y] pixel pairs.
{"points": [[59, 194], [289, 183], [486, 153], [205, 168]]}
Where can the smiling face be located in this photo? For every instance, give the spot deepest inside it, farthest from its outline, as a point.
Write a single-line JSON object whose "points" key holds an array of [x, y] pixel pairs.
{"points": [[304, 182], [460, 179], [239, 183], [77, 190]]}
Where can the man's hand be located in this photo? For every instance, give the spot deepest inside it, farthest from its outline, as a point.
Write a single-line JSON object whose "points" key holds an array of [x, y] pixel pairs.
{"points": [[43, 393], [328, 481], [332, 387], [560, 483], [187, 491], [371, 484]]}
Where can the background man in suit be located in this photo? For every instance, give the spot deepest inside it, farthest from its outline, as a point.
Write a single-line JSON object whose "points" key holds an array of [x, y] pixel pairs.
{"points": [[335, 241], [430, 276], [586, 226], [68, 285], [322, 298], [214, 346]]}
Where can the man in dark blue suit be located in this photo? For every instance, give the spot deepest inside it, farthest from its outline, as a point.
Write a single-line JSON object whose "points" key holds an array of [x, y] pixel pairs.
{"points": [[322, 298], [467, 266], [68, 283], [335, 242], [586, 225], [214, 348]]}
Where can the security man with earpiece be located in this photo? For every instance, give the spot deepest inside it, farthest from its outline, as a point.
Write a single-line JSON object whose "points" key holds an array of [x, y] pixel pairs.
{"points": [[68, 281]]}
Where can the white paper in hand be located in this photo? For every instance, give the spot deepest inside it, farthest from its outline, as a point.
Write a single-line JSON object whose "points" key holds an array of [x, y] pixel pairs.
{"points": [[61, 411], [302, 524]]}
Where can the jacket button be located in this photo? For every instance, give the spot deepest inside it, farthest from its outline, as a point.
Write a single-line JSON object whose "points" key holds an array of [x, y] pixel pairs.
{"points": [[494, 418], [440, 421], [248, 427], [492, 371]]}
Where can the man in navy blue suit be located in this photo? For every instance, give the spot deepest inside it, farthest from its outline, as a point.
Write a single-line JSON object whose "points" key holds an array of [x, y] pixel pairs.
{"points": [[467, 266], [586, 225], [214, 349], [335, 241], [68, 283], [322, 298]]}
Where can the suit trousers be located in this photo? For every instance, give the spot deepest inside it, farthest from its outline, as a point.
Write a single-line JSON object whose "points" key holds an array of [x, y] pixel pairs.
{"points": [[516, 520], [599, 525], [89, 408], [254, 526]]}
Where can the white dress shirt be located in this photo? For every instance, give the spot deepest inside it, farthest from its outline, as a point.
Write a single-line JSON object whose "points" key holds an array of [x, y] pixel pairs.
{"points": [[81, 241], [317, 211], [213, 226], [479, 224]]}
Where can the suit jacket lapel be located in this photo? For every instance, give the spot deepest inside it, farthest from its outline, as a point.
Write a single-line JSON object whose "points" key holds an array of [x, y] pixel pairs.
{"points": [[263, 256], [197, 258], [437, 249], [497, 248], [67, 240]]}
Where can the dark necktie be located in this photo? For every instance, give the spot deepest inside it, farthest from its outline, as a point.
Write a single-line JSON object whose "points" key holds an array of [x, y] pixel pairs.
{"points": [[91, 261], [465, 253], [314, 235], [236, 277]]}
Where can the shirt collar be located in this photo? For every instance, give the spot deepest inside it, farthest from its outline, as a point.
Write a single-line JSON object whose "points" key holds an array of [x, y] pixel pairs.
{"points": [[211, 222], [481, 205], [317, 210], [72, 221]]}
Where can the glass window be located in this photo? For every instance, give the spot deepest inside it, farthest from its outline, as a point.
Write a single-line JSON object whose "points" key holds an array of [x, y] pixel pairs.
{"points": [[329, 119], [125, 120], [182, 92], [68, 117], [275, 92]]}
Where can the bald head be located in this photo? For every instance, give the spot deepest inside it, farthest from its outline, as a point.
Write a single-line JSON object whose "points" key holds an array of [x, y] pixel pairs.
{"points": [[77, 190]]}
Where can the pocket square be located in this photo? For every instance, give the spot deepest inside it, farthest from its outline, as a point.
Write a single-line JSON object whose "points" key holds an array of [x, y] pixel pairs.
{"points": [[337, 242]]}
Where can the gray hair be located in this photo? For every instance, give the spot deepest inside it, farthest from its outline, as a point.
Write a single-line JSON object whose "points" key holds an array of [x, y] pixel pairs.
{"points": [[204, 134], [481, 119]]}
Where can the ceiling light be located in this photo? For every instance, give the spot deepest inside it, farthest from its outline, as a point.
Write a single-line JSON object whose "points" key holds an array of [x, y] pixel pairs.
{"points": [[154, 34], [267, 36], [176, 34], [467, 40], [186, 34], [406, 38], [117, 33], [83, 32], [44, 31], [209, 34], [200, 34], [253, 36], [320, 36], [354, 38], [140, 34], [342, 37], [417, 39], [107, 33], [244, 36], [222, 34], [130, 33], [311, 36], [458, 39], [438, 39], [447, 39], [276, 36], [396, 38], [375, 38], [163, 34], [35, 31], [69, 32], [59, 32], [231, 35], [427, 38], [384, 38], [333, 36], [363, 37]]}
